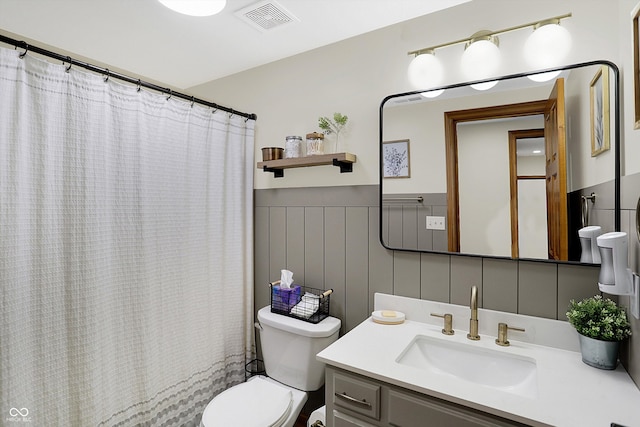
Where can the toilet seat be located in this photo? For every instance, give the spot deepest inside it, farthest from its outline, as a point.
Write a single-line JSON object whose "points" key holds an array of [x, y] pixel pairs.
{"points": [[258, 402]]}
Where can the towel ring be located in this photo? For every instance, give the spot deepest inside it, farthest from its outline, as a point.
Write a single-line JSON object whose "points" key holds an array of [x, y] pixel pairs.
{"points": [[584, 208]]}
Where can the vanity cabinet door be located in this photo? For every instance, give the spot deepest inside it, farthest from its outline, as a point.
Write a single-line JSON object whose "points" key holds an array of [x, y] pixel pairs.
{"points": [[406, 410], [356, 394]]}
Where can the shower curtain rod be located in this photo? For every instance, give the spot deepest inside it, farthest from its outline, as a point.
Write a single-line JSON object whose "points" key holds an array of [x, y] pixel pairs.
{"points": [[107, 73]]}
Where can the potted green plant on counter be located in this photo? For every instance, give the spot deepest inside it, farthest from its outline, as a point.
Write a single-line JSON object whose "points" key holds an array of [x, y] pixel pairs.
{"points": [[601, 325]]}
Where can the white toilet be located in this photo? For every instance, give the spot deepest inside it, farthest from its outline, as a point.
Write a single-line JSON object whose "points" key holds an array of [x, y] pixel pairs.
{"points": [[289, 348]]}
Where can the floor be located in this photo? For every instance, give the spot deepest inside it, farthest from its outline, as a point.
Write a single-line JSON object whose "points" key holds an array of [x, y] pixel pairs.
{"points": [[302, 420]]}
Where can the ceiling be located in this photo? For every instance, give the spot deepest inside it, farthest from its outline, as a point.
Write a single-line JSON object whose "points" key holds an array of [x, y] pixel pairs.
{"points": [[144, 38]]}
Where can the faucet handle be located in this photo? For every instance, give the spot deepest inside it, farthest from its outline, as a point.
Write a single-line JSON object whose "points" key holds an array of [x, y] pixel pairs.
{"points": [[448, 322], [503, 329]]}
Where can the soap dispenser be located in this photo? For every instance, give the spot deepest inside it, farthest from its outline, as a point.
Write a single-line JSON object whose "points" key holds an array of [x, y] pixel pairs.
{"points": [[590, 253], [615, 277]]}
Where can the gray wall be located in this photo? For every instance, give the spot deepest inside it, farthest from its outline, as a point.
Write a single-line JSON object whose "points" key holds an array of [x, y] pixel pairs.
{"points": [[404, 221], [328, 237], [630, 193]]}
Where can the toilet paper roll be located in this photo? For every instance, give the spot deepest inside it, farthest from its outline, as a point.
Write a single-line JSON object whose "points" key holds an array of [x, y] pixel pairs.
{"points": [[318, 415]]}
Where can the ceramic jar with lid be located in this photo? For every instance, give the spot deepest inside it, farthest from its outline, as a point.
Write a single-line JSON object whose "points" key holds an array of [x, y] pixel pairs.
{"points": [[315, 143]]}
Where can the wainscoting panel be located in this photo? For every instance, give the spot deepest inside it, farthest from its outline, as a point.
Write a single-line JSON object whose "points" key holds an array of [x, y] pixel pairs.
{"points": [[435, 277], [500, 284], [329, 238], [406, 225], [357, 265], [380, 260], [538, 289], [335, 231]]}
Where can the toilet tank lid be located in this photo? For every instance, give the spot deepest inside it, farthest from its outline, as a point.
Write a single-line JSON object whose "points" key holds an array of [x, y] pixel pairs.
{"points": [[324, 328]]}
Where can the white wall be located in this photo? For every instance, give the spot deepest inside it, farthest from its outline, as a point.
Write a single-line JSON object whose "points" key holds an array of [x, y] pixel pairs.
{"points": [[630, 136], [422, 124], [585, 170], [484, 185], [353, 76]]}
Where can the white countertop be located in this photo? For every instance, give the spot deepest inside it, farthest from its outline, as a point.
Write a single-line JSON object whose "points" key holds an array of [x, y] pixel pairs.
{"points": [[569, 393]]}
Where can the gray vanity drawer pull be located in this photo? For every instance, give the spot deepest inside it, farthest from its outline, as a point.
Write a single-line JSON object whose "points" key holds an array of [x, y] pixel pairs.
{"points": [[348, 398]]}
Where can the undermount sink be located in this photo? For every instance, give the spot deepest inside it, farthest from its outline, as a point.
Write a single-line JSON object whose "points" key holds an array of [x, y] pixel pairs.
{"points": [[490, 368]]}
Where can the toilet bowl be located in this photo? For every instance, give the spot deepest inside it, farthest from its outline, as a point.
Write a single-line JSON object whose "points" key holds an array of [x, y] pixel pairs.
{"points": [[289, 347]]}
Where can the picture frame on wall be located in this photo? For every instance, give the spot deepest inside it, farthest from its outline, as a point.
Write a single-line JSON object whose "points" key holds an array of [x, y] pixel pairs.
{"points": [[396, 160], [599, 101], [635, 22]]}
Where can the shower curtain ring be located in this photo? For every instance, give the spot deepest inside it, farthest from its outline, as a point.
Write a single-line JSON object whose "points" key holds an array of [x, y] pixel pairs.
{"points": [[26, 49], [170, 94], [192, 101], [139, 85], [107, 75], [69, 67]]}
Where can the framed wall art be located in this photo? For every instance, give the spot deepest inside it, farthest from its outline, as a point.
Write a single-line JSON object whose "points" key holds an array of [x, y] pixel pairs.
{"points": [[395, 155], [599, 101]]}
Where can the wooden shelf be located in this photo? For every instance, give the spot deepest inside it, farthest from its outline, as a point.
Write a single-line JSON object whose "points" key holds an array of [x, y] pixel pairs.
{"points": [[344, 161]]}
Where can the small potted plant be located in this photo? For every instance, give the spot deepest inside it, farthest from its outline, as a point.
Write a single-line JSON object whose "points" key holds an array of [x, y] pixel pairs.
{"points": [[601, 326]]}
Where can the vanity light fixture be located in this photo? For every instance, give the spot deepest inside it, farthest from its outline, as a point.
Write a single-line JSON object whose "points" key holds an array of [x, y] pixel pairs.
{"points": [[546, 47], [543, 77], [195, 7], [425, 70], [432, 93], [481, 57], [484, 85]]}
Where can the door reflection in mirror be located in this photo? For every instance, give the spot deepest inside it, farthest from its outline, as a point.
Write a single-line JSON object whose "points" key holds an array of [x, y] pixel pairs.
{"points": [[419, 119]]}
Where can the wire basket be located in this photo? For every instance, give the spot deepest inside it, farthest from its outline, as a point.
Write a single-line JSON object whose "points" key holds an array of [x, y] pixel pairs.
{"points": [[300, 302]]}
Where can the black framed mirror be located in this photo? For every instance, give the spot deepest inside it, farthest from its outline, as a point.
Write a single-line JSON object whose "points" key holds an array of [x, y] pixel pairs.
{"points": [[512, 171]]}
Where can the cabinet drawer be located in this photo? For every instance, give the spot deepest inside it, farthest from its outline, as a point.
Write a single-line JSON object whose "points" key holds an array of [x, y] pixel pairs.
{"points": [[357, 395], [343, 420], [406, 410]]}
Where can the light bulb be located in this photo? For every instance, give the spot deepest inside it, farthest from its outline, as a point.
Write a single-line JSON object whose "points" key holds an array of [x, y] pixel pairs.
{"points": [[484, 85], [547, 46], [195, 7], [481, 59], [432, 93], [425, 71], [543, 77]]}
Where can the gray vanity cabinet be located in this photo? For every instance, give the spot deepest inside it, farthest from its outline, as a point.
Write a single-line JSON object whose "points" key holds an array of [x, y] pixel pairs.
{"points": [[357, 401]]}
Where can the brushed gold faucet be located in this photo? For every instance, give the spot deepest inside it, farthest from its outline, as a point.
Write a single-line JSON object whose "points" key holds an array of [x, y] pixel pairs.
{"points": [[502, 334], [473, 321]]}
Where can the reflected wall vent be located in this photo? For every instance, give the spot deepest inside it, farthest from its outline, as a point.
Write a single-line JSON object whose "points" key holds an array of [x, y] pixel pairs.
{"points": [[266, 15]]}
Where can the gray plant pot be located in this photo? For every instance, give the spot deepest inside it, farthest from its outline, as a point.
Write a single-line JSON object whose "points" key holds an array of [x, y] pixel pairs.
{"points": [[599, 354]]}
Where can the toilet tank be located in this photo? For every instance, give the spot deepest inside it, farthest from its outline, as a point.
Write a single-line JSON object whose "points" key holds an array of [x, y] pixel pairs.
{"points": [[289, 347]]}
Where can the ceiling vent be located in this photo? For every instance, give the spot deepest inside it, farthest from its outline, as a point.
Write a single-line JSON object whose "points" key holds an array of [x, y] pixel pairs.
{"points": [[266, 15]]}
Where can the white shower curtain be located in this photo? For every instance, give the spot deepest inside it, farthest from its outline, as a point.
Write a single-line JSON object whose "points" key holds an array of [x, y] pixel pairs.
{"points": [[125, 250]]}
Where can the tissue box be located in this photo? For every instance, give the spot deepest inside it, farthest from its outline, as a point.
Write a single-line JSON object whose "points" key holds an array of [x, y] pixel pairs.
{"points": [[283, 299]]}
